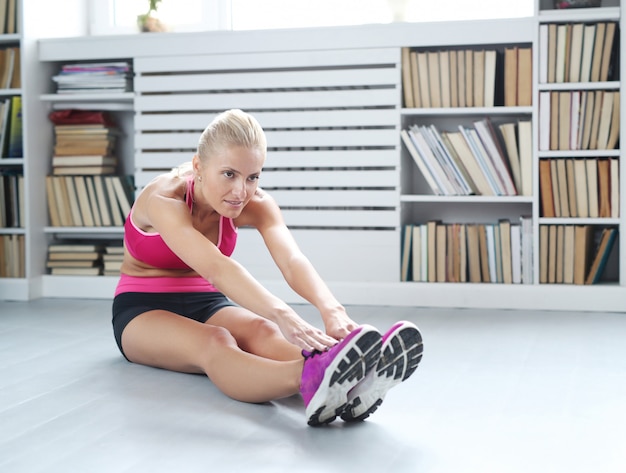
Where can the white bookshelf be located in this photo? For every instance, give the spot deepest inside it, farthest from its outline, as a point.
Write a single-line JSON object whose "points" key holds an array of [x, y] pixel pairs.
{"points": [[362, 267]]}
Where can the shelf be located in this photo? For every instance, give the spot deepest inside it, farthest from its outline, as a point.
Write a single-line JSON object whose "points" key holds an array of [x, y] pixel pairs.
{"points": [[554, 86], [12, 231], [437, 199], [86, 232], [11, 162], [579, 14], [463, 111], [579, 221], [121, 101], [580, 153]]}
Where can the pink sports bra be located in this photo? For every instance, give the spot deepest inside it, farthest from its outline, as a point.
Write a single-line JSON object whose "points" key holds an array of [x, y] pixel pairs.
{"points": [[151, 249]]}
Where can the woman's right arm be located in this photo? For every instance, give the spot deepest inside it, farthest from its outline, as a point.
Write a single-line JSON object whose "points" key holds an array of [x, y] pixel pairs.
{"points": [[171, 218]]}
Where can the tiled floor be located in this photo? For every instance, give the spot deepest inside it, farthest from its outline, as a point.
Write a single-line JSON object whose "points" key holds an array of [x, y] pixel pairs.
{"points": [[497, 391]]}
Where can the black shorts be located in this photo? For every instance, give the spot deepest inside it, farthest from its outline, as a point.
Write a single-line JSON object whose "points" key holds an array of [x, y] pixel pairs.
{"points": [[198, 306]]}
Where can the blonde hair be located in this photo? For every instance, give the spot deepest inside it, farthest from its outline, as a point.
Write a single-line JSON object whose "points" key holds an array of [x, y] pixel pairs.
{"points": [[230, 128]]}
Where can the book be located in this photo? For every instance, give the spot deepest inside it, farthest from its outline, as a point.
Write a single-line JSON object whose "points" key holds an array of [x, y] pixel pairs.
{"points": [[607, 241], [416, 252], [53, 210], [83, 201], [543, 253], [604, 188], [551, 53], [614, 132], [74, 255], [444, 78], [555, 188], [407, 78], [94, 271], [510, 75], [509, 136], [582, 199], [83, 170], [571, 187], [569, 254], [495, 153], [75, 248], [123, 199], [552, 253], [561, 52], [526, 155], [473, 252], [607, 50], [417, 100], [84, 160], [614, 188], [576, 51], [421, 163], [484, 254], [423, 77], [454, 79], [525, 77], [583, 239], [77, 219], [405, 267], [598, 45], [564, 120], [563, 195], [589, 38], [591, 166], [114, 206], [604, 125], [469, 78], [432, 249], [560, 239], [504, 227], [441, 254], [15, 149], [461, 77], [434, 80], [587, 118], [93, 201], [103, 201], [544, 121], [489, 91], [479, 77]]}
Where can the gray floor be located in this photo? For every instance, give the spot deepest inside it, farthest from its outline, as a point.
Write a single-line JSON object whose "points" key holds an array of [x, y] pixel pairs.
{"points": [[497, 391]]}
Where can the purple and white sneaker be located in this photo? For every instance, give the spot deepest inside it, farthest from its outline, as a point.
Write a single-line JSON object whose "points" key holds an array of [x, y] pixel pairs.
{"points": [[401, 353], [328, 376]]}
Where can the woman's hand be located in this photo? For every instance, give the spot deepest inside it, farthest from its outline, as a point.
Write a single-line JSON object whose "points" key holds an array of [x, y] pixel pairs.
{"points": [[337, 323], [304, 335]]}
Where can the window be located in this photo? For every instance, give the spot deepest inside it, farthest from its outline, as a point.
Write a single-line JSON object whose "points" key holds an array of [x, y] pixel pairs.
{"points": [[120, 16]]}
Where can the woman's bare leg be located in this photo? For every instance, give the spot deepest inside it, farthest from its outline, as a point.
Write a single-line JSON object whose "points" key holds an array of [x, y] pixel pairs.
{"points": [[255, 334], [165, 340]]}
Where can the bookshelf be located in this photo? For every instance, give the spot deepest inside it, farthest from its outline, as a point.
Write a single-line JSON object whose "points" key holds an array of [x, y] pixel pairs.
{"points": [[578, 147], [355, 185], [14, 216]]}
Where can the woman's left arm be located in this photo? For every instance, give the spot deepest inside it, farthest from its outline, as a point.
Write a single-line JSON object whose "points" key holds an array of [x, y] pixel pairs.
{"points": [[298, 271]]}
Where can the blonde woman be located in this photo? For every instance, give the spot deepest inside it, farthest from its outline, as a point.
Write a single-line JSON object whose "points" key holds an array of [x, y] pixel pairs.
{"points": [[183, 304]]}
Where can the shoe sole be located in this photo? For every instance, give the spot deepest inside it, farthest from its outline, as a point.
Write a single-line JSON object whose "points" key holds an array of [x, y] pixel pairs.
{"points": [[400, 357], [358, 358]]}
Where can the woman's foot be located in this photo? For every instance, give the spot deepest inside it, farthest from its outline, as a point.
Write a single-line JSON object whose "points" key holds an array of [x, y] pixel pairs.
{"points": [[328, 376], [401, 353]]}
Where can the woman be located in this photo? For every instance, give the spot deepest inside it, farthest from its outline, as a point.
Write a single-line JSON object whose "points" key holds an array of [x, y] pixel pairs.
{"points": [[183, 304]]}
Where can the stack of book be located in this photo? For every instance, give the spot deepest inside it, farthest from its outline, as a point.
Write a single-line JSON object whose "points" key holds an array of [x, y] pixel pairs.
{"points": [[579, 120], [454, 252], [85, 149], [89, 201], [472, 160], [88, 78], [12, 253], [75, 259], [581, 187], [467, 78], [112, 260], [569, 254], [578, 52], [12, 209], [10, 74]]}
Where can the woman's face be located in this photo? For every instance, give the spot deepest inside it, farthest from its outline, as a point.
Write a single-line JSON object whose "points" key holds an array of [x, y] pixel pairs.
{"points": [[230, 179]]}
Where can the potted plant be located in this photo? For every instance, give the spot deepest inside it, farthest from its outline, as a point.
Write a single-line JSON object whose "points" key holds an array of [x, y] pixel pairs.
{"points": [[149, 22]]}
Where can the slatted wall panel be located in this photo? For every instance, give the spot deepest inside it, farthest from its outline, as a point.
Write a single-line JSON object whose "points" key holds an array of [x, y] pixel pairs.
{"points": [[332, 123]]}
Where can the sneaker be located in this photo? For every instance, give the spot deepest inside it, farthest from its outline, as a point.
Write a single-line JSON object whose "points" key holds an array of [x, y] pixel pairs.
{"points": [[401, 353], [328, 376]]}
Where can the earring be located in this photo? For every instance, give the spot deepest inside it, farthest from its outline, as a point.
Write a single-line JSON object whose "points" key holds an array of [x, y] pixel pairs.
{"points": [[200, 178]]}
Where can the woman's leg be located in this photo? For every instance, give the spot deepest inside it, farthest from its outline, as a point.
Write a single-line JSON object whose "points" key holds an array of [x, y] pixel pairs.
{"points": [[255, 334], [165, 340]]}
